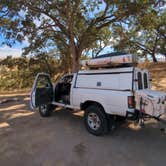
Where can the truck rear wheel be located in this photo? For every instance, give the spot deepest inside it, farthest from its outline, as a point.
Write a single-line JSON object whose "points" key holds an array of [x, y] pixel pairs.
{"points": [[46, 110], [95, 120]]}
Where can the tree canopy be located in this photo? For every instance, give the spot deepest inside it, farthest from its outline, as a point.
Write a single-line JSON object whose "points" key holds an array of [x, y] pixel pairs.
{"points": [[68, 27], [144, 35]]}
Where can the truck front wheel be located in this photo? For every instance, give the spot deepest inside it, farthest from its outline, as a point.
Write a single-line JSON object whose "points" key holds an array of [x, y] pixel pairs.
{"points": [[46, 110], [96, 120]]}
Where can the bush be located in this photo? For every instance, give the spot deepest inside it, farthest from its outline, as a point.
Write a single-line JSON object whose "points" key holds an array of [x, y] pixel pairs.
{"points": [[19, 73]]}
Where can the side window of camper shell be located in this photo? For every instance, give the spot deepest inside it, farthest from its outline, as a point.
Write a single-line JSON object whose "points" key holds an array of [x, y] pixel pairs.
{"points": [[139, 76], [145, 81]]}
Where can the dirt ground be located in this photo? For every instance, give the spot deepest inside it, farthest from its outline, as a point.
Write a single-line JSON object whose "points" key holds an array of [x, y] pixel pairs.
{"points": [[26, 139]]}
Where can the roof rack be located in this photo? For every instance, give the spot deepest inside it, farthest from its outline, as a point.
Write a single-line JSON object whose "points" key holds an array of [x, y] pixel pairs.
{"points": [[111, 60]]}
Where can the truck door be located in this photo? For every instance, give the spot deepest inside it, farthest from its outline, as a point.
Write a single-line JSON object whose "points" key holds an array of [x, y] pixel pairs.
{"points": [[42, 91]]}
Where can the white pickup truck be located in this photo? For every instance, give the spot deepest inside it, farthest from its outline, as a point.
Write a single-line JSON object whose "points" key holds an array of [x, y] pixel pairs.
{"points": [[103, 95]]}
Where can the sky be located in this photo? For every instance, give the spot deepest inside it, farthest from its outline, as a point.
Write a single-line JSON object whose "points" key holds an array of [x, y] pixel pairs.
{"points": [[15, 50], [6, 50]]}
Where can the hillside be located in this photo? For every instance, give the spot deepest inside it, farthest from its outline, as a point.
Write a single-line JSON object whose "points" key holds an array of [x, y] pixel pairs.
{"points": [[17, 79], [158, 75]]}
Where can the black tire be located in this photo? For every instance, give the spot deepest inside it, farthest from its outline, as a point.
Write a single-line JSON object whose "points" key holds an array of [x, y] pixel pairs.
{"points": [[102, 127], [46, 110]]}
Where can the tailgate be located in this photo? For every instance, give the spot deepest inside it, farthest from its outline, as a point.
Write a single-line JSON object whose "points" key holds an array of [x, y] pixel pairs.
{"points": [[153, 102]]}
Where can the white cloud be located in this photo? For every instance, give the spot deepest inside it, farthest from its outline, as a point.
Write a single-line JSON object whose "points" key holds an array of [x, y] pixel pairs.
{"points": [[6, 51]]}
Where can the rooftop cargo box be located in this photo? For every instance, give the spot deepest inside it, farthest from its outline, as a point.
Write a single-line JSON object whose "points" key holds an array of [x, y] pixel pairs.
{"points": [[110, 60]]}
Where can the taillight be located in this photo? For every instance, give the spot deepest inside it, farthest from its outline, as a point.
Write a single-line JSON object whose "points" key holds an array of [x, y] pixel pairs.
{"points": [[131, 102]]}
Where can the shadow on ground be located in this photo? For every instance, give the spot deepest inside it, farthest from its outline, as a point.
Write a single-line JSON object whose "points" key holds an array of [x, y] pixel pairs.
{"points": [[27, 139]]}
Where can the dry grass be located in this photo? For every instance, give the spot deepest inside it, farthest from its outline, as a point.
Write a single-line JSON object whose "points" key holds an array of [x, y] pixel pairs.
{"points": [[158, 74]]}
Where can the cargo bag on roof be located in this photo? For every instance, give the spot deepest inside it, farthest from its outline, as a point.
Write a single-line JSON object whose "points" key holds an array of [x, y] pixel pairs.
{"points": [[110, 60]]}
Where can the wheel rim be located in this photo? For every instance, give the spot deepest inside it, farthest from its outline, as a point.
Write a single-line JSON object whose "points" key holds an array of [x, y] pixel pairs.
{"points": [[43, 108], [93, 121]]}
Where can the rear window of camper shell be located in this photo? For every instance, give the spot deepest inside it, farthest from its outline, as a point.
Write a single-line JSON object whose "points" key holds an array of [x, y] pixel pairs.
{"points": [[139, 76], [145, 81]]}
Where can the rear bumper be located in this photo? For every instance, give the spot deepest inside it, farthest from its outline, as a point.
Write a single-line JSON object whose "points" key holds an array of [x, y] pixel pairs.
{"points": [[132, 115], [135, 114], [132, 110]]}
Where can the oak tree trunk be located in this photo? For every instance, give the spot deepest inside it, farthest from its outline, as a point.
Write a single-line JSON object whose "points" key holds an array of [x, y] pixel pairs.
{"points": [[76, 64], [154, 57], [76, 54]]}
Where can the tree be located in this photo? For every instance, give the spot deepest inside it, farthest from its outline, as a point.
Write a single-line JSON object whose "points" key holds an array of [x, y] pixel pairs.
{"points": [[145, 36], [73, 25], [103, 40], [9, 21]]}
